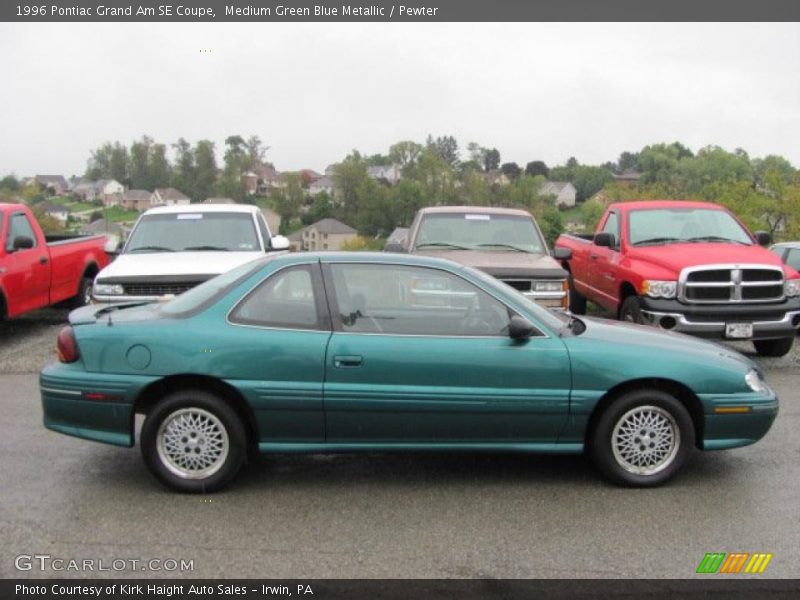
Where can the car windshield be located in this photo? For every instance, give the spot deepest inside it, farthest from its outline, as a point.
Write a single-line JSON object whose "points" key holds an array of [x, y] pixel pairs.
{"points": [[200, 231], [479, 231], [210, 291], [659, 226]]}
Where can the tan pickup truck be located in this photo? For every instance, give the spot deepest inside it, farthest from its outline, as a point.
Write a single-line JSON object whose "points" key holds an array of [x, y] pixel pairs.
{"points": [[506, 243]]}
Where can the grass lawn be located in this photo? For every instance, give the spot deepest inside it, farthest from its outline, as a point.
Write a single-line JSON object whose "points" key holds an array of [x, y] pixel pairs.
{"points": [[115, 214], [81, 206]]}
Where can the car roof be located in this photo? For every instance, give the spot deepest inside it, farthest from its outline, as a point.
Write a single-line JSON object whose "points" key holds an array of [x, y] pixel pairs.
{"points": [[386, 258], [202, 208], [655, 204], [786, 245], [474, 210]]}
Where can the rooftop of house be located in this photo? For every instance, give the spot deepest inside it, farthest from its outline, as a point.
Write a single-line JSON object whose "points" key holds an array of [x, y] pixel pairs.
{"points": [[331, 226]]}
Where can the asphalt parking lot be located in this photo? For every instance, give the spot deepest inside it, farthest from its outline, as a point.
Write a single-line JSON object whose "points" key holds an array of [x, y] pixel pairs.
{"points": [[382, 515]]}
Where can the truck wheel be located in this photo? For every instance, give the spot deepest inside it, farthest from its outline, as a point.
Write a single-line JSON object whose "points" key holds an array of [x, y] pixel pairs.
{"points": [[642, 439], [778, 347], [192, 441], [631, 310], [84, 295], [577, 302]]}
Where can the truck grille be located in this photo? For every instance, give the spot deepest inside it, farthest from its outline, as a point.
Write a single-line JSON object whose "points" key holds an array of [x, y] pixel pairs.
{"points": [[724, 284], [522, 285], [158, 289]]}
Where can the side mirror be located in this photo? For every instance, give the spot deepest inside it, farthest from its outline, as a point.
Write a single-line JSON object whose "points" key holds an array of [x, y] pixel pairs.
{"points": [[394, 247], [561, 253], [279, 242], [606, 240], [763, 238], [112, 245], [520, 328], [22, 242]]}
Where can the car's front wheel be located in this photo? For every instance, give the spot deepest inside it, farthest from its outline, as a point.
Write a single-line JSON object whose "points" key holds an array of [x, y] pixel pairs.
{"points": [[779, 347], [643, 438], [193, 441]]}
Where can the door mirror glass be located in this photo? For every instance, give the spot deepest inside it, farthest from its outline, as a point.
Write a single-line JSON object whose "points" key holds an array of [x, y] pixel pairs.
{"points": [[763, 238], [561, 253], [605, 240]]}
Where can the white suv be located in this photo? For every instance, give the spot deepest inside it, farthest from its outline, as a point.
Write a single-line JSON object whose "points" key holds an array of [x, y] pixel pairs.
{"points": [[174, 248]]}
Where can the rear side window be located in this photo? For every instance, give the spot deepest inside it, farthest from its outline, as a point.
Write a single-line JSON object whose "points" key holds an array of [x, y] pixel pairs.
{"points": [[285, 300], [19, 226]]}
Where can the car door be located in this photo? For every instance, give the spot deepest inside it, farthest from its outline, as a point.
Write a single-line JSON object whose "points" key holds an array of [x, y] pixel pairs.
{"points": [[603, 261], [275, 350], [421, 355], [27, 276]]}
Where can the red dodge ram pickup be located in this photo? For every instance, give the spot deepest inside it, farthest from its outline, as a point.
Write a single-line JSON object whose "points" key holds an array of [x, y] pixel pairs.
{"points": [[37, 271], [686, 266]]}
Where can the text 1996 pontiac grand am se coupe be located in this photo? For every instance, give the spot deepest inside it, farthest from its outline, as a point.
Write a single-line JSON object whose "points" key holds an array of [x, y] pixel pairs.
{"points": [[344, 352]]}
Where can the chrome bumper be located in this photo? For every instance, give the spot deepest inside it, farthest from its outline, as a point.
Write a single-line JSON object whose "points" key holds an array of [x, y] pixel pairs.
{"points": [[716, 329]]}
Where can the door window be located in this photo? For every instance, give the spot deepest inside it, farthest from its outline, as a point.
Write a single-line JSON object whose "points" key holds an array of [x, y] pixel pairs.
{"points": [[397, 299], [793, 258], [612, 226], [285, 300], [19, 225]]}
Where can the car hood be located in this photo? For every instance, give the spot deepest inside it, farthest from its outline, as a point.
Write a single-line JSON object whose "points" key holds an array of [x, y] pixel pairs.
{"points": [[676, 257], [502, 263], [651, 343], [175, 263]]}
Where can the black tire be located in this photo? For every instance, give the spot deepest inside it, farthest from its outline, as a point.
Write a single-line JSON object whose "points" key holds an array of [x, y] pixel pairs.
{"points": [[779, 347], [631, 310], [644, 461], [577, 302], [84, 295], [168, 461]]}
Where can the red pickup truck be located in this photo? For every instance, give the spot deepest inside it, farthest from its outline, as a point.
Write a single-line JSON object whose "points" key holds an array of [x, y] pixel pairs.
{"points": [[685, 266], [37, 271]]}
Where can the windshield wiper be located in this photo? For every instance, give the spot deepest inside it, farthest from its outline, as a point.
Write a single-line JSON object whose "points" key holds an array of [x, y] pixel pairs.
{"points": [[151, 249], [715, 238], [443, 245], [206, 248], [509, 246], [654, 241]]}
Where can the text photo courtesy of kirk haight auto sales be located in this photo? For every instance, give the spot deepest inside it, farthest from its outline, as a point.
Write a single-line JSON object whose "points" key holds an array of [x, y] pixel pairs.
{"points": [[332, 300]]}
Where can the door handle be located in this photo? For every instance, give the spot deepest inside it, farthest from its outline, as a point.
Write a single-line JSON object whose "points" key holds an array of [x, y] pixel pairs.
{"points": [[42, 260], [594, 256], [347, 361]]}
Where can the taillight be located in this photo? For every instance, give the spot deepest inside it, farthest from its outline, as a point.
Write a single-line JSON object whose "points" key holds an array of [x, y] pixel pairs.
{"points": [[66, 346]]}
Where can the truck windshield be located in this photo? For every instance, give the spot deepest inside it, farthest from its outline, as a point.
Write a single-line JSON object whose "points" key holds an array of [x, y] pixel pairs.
{"points": [[200, 231], [658, 226], [466, 231]]}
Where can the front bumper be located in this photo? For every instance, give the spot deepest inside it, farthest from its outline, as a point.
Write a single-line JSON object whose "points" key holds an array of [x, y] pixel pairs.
{"points": [[67, 393], [770, 321], [723, 431]]}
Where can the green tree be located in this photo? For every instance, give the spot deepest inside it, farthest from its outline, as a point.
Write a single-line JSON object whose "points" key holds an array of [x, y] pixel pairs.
{"points": [[159, 169], [183, 174], [491, 161], [511, 170], [9, 183], [204, 172], [289, 199], [140, 178], [537, 167], [405, 155], [446, 147]]}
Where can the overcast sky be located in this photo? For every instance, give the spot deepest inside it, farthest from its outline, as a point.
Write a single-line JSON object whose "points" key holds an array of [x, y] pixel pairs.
{"points": [[313, 92]]}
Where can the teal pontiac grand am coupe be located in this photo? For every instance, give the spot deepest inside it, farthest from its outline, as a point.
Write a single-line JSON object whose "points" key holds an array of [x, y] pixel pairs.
{"points": [[347, 352]]}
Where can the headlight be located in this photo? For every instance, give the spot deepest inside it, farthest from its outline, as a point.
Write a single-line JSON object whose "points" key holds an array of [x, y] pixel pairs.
{"points": [[755, 382], [548, 286], [791, 288], [107, 289], [659, 289]]}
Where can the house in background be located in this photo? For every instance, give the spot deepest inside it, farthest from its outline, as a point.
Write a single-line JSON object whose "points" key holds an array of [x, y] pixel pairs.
{"points": [[296, 241], [219, 201], [496, 177], [267, 178], [56, 185], [327, 234], [107, 190], [628, 177], [169, 197], [389, 175], [563, 191], [58, 212], [85, 190], [323, 184], [133, 200]]}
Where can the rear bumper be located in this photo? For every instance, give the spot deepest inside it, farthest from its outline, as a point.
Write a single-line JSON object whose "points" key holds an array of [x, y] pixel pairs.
{"points": [[770, 321], [67, 393]]}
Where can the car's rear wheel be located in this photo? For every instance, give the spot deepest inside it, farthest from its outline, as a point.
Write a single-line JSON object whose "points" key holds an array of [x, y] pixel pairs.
{"points": [[193, 441], [779, 347], [642, 439], [577, 302]]}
